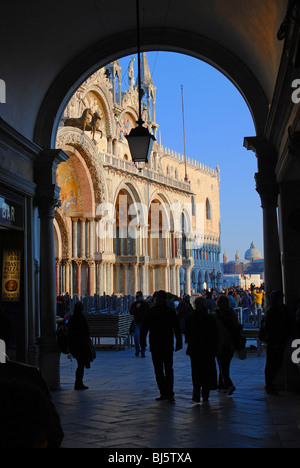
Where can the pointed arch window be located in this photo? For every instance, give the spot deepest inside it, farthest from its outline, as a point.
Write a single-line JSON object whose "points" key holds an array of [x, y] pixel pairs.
{"points": [[208, 209]]}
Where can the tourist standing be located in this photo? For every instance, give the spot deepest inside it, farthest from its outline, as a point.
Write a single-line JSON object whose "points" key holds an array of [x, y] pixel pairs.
{"points": [[79, 336], [211, 303], [275, 331], [162, 323], [139, 309], [229, 328], [258, 298], [184, 309], [201, 334]]}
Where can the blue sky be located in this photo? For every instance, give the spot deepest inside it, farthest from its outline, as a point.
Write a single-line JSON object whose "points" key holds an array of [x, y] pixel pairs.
{"points": [[216, 121]]}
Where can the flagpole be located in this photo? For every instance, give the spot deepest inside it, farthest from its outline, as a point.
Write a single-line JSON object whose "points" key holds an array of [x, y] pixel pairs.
{"points": [[184, 140]]}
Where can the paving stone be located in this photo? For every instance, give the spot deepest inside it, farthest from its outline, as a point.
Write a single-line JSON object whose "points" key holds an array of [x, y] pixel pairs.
{"points": [[120, 411]]}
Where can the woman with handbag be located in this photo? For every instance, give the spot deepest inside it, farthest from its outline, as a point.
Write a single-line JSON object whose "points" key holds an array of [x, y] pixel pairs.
{"points": [[80, 343]]}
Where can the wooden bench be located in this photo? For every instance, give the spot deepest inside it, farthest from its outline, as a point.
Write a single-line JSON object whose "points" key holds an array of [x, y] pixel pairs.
{"points": [[110, 326], [252, 334]]}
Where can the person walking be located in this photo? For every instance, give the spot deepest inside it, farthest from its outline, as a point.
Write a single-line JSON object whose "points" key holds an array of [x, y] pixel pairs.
{"points": [[258, 298], [201, 335], [275, 331], [162, 323], [184, 309], [229, 330], [139, 309], [79, 336]]}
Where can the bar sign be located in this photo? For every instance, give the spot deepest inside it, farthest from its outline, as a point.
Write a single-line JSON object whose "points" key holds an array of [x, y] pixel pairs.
{"points": [[11, 275]]}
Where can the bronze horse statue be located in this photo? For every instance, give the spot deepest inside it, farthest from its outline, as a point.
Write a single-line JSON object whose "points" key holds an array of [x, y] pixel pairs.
{"points": [[80, 122], [85, 123], [94, 125]]}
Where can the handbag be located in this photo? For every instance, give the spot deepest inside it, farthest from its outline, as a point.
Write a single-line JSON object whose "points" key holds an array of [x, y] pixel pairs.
{"points": [[91, 351], [241, 354]]}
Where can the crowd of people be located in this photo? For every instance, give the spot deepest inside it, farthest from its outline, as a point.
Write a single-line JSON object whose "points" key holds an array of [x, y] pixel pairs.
{"points": [[209, 326], [211, 331]]}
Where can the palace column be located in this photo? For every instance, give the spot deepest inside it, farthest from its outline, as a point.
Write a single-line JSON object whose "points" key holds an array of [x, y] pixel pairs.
{"points": [[178, 280], [47, 198], [289, 213], [116, 277], [268, 189], [125, 278], [145, 279], [135, 277]]}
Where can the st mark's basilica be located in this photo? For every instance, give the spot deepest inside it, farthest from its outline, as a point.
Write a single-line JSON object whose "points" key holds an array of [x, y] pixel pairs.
{"points": [[172, 204]]}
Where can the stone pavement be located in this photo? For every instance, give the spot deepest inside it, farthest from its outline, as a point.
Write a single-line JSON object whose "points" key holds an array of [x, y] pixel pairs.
{"points": [[119, 409]]}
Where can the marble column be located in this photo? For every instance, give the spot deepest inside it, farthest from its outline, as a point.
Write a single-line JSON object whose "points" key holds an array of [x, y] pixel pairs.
{"points": [[91, 237], [125, 279], [47, 198], [78, 277], [91, 268], [269, 192], [57, 268], [74, 237], [268, 189], [67, 276], [82, 238]]}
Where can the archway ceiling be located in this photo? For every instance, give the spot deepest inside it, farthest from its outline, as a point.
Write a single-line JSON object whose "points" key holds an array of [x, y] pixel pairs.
{"points": [[40, 39]]}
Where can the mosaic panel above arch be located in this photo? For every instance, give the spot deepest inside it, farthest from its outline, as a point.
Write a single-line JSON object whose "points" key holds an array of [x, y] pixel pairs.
{"points": [[70, 190]]}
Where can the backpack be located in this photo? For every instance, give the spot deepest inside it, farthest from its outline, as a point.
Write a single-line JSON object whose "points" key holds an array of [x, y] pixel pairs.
{"points": [[62, 336]]}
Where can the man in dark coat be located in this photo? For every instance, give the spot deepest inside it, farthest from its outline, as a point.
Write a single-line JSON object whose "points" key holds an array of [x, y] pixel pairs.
{"points": [[139, 309], [79, 336], [201, 334], [162, 323], [14, 375]]}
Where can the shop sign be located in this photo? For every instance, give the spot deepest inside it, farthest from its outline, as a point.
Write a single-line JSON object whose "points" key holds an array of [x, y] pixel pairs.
{"points": [[11, 213], [11, 275]]}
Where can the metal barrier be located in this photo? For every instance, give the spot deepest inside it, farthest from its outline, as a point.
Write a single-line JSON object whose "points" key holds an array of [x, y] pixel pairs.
{"points": [[251, 319]]}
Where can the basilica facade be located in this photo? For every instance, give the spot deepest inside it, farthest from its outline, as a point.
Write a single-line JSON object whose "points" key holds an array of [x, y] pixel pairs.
{"points": [[120, 227]]}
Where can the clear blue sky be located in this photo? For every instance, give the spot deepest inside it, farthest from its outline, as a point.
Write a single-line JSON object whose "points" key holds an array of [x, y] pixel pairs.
{"points": [[216, 120]]}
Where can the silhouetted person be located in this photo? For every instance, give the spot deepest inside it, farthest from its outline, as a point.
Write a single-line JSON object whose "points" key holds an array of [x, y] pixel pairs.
{"points": [[139, 309], [79, 336], [23, 375], [229, 328], [201, 334], [275, 331], [184, 309], [162, 323], [26, 415]]}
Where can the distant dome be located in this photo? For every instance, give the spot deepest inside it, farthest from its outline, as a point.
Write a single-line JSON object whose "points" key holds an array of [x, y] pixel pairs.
{"points": [[252, 253]]}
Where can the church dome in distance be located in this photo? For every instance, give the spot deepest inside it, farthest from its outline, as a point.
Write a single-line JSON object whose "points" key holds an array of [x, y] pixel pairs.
{"points": [[252, 253]]}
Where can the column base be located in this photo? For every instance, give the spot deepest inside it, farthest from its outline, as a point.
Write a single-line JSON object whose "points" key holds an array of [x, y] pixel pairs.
{"points": [[49, 363]]}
